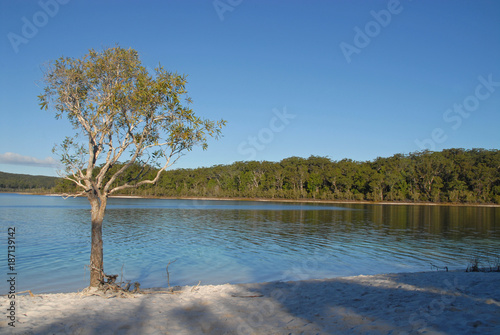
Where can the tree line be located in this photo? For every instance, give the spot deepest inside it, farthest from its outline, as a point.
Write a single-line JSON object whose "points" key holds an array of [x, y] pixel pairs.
{"points": [[451, 175], [24, 182]]}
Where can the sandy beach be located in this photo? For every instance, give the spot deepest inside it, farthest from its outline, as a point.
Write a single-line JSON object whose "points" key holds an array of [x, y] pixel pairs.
{"points": [[404, 303]]}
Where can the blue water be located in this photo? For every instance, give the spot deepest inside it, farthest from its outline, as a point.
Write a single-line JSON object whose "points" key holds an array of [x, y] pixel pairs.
{"points": [[219, 242]]}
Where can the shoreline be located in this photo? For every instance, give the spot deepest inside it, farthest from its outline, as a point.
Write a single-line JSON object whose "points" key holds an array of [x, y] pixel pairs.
{"points": [[318, 201], [454, 302]]}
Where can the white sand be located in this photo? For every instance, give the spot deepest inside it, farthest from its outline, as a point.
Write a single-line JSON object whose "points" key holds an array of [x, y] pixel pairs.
{"points": [[412, 303]]}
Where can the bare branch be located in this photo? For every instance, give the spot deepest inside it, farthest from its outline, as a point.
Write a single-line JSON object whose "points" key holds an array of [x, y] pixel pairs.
{"points": [[144, 182], [66, 195]]}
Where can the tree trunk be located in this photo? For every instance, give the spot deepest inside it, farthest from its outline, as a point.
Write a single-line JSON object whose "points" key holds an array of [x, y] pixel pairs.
{"points": [[98, 207]]}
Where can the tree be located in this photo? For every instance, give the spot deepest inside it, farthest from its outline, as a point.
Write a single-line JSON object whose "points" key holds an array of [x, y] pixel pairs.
{"points": [[125, 116]]}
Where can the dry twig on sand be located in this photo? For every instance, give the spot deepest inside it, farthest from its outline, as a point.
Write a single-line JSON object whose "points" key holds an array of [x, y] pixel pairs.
{"points": [[195, 288], [27, 291], [168, 275]]}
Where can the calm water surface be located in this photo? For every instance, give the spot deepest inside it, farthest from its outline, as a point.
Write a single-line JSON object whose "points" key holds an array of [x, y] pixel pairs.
{"points": [[219, 242]]}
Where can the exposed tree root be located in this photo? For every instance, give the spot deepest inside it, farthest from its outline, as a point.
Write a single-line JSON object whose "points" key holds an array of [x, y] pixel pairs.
{"points": [[109, 288]]}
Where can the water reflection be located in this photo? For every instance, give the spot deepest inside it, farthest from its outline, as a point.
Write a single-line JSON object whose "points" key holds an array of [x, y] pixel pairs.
{"points": [[235, 241]]}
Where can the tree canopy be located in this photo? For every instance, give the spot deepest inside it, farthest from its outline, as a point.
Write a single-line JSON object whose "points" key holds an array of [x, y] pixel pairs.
{"points": [[119, 109]]}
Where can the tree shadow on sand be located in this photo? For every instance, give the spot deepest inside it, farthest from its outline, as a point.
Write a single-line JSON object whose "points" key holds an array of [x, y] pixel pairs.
{"points": [[435, 302], [388, 304]]}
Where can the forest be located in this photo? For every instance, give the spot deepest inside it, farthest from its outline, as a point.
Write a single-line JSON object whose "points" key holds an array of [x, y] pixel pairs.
{"points": [[13, 182], [451, 175]]}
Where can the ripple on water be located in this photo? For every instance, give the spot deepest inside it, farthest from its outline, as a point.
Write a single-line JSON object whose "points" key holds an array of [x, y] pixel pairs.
{"points": [[219, 242]]}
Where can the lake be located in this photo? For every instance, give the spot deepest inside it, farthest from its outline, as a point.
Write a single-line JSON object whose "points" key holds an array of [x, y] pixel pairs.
{"points": [[218, 242]]}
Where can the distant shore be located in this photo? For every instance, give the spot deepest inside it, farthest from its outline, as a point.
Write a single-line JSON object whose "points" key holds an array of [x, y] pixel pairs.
{"points": [[318, 201], [314, 201], [403, 303]]}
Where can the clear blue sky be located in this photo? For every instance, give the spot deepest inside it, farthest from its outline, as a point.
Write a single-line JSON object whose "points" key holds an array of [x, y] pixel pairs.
{"points": [[348, 79]]}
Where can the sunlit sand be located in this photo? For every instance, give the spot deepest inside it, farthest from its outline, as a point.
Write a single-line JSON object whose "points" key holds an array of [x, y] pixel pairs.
{"points": [[407, 303]]}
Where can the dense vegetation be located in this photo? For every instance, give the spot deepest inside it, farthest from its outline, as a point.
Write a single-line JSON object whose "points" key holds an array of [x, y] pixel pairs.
{"points": [[452, 175], [23, 182]]}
